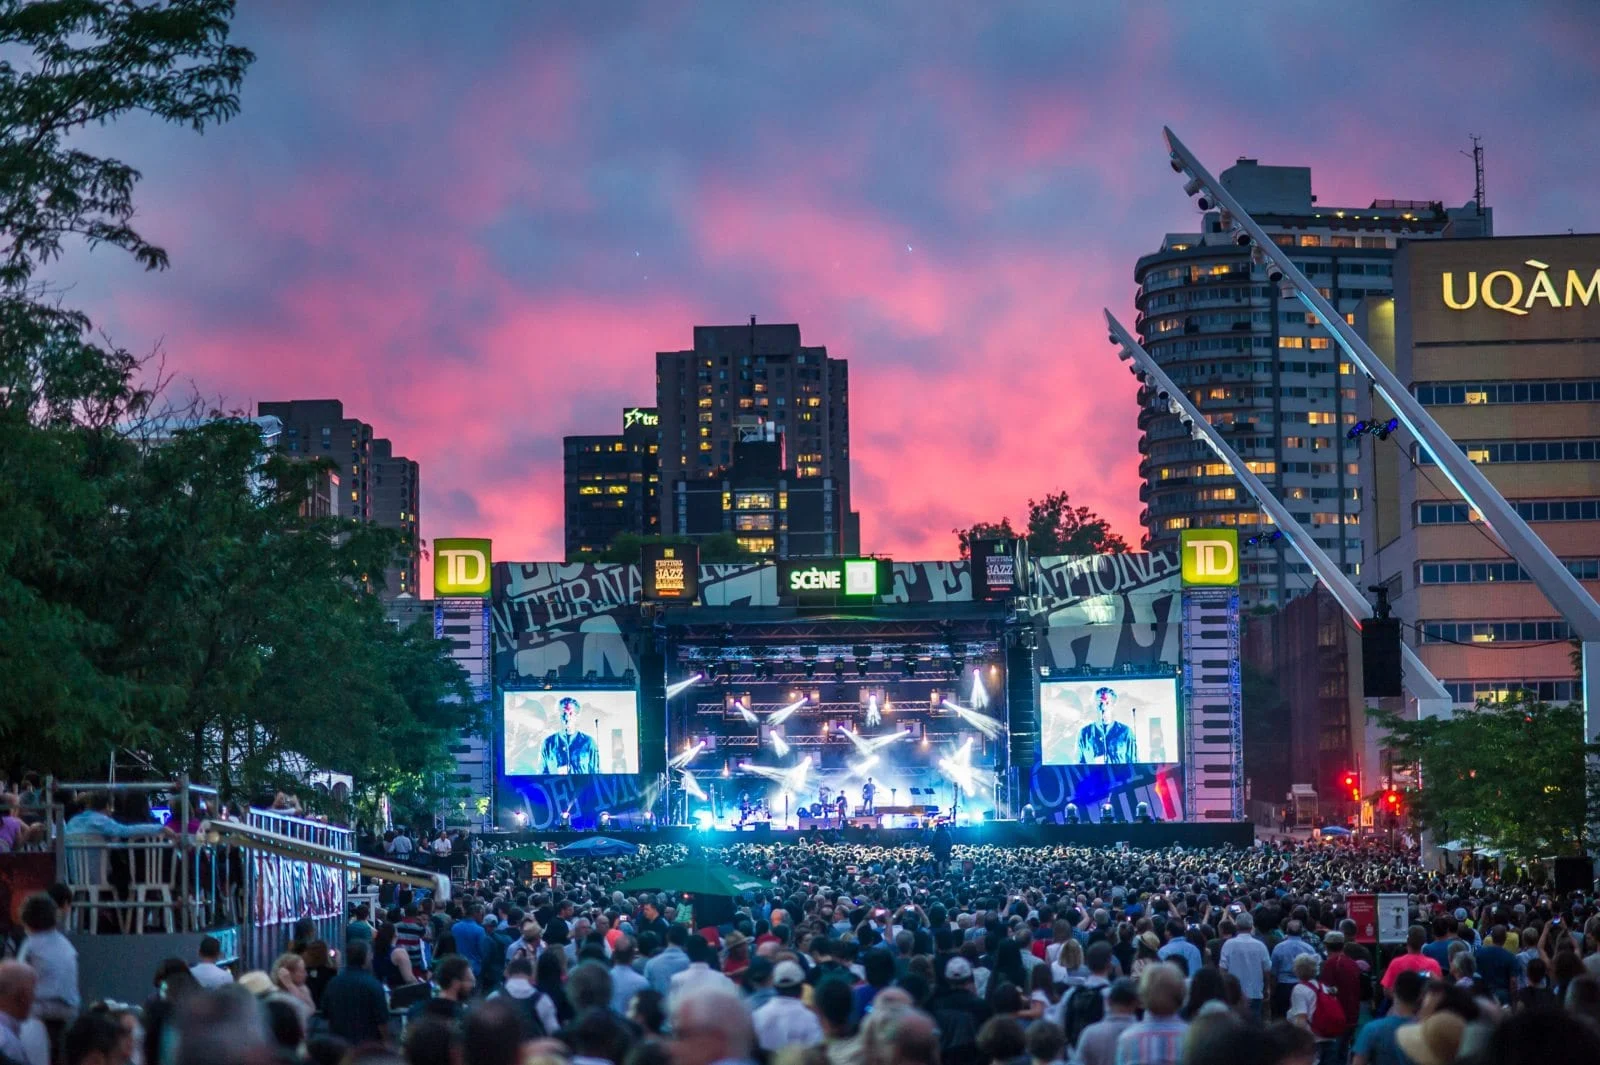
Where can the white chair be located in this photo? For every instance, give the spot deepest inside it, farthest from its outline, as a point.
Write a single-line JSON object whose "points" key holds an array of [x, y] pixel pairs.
{"points": [[150, 888], [88, 877]]}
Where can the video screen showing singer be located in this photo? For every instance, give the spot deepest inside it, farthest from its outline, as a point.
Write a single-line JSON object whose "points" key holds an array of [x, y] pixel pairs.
{"points": [[1106, 742], [569, 751]]}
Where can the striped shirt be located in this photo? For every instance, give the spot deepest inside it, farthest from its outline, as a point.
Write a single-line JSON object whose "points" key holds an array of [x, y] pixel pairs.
{"points": [[1152, 1042]]}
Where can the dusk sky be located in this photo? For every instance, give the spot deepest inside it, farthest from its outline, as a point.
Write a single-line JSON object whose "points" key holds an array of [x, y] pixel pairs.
{"points": [[476, 223]]}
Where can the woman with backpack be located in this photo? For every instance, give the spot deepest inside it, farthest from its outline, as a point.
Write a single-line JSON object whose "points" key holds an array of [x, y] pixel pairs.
{"points": [[1315, 1007]]}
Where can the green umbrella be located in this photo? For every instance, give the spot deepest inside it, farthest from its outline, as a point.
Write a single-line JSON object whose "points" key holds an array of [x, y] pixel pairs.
{"points": [[696, 880], [528, 852]]}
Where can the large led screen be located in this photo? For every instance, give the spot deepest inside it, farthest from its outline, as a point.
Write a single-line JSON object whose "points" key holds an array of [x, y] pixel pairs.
{"points": [[1109, 721], [570, 733]]}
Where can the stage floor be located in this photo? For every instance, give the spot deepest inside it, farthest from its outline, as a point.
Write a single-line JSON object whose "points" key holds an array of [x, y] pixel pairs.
{"points": [[1000, 833]]}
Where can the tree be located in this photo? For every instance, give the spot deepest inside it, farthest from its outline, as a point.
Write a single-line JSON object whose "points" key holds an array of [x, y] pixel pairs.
{"points": [[161, 590], [1055, 527], [1509, 775]]}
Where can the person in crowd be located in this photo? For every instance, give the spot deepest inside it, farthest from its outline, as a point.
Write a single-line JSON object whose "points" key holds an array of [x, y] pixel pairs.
{"points": [[1097, 1045], [354, 1002], [23, 1038], [1375, 1042], [785, 1020], [289, 977], [455, 985], [1158, 1039], [320, 970], [54, 960], [207, 973], [537, 1010], [1413, 960], [1292, 946], [714, 1028], [660, 969], [626, 982]]}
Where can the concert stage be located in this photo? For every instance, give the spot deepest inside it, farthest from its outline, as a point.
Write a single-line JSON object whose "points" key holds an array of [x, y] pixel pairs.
{"points": [[999, 833]]}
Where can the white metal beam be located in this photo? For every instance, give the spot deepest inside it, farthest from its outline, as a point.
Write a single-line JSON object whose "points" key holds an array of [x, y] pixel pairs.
{"points": [[1552, 577], [1431, 696]]}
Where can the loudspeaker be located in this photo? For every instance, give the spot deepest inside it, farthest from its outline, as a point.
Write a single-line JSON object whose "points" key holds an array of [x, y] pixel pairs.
{"points": [[1574, 874], [763, 828], [1380, 658], [1022, 710]]}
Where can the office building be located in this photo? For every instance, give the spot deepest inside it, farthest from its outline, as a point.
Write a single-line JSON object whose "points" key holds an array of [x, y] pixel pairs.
{"points": [[611, 483], [1255, 362], [376, 485], [1499, 339], [746, 381], [759, 499]]}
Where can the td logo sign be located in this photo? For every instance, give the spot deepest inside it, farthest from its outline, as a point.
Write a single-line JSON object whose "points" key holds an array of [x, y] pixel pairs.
{"points": [[1210, 556], [461, 568]]}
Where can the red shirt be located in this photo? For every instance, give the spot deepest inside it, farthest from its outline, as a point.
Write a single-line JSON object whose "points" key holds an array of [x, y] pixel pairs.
{"points": [[1342, 975], [1407, 962]]}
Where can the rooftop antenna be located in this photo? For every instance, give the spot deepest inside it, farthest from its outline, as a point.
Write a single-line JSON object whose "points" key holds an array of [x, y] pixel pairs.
{"points": [[1476, 156]]}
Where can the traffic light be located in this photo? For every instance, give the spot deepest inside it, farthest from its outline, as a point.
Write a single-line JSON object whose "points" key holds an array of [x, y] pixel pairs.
{"points": [[1352, 784], [1391, 799]]}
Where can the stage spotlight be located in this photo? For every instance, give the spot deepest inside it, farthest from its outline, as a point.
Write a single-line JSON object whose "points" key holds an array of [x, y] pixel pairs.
{"points": [[704, 820], [692, 786], [978, 695], [838, 670], [982, 722], [780, 746], [778, 717], [811, 670], [860, 768], [684, 685], [874, 712], [689, 754], [863, 667], [742, 704], [909, 666]]}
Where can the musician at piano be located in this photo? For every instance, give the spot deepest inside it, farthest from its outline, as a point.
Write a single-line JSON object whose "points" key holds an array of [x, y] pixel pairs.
{"points": [[1105, 742]]}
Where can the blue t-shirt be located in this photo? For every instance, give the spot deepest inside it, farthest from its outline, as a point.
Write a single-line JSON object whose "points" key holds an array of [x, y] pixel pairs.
{"points": [[1439, 951], [1496, 967], [1376, 1041], [469, 936]]}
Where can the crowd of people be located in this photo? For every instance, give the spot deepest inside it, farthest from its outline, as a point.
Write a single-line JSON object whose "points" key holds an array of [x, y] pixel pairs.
{"points": [[878, 955]]}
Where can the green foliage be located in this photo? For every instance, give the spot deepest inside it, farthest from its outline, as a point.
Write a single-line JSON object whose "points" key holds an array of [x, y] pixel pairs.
{"points": [[1055, 527], [160, 589], [1511, 775]]}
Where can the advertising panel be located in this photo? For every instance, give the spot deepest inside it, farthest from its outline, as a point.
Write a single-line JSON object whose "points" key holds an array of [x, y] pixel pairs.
{"points": [[996, 569], [461, 568], [670, 572], [1364, 912], [570, 733], [827, 580], [1210, 557], [1110, 721]]}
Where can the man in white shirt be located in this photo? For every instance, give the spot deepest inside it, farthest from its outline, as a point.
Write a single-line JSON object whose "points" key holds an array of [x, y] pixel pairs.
{"points": [[786, 1021], [208, 974], [402, 847], [1247, 958], [22, 1038]]}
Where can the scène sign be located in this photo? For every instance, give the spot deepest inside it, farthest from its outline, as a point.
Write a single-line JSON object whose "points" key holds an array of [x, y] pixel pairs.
{"points": [[1508, 291], [815, 580], [845, 578]]}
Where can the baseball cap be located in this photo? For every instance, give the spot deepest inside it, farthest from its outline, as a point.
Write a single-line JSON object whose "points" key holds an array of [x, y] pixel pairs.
{"points": [[788, 974], [958, 970]]}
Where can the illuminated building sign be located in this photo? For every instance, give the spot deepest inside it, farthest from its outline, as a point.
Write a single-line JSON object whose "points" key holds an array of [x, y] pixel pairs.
{"points": [[670, 571], [461, 568], [825, 580], [1210, 557], [643, 417], [1533, 286]]}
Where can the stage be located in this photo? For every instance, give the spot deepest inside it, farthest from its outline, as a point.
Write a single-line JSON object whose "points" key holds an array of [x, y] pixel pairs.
{"points": [[1000, 833]]}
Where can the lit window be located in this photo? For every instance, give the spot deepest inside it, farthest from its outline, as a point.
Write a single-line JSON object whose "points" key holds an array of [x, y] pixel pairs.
{"points": [[757, 545], [1291, 342], [1477, 454], [753, 501]]}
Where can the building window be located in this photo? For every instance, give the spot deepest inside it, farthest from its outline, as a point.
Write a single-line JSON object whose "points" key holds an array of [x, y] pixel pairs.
{"points": [[1291, 342], [1498, 451], [752, 501], [1515, 631], [1310, 240], [1475, 393], [1469, 692], [757, 545], [753, 522]]}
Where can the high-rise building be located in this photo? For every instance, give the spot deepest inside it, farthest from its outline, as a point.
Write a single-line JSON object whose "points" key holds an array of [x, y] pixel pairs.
{"points": [[744, 380], [375, 484], [1257, 363], [611, 483], [1499, 339], [759, 500]]}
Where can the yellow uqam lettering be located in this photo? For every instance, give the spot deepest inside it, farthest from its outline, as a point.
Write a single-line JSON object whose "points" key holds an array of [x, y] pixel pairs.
{"points": [[1578, 292], [1542, 287], [1450, 291], [1509, 305]]}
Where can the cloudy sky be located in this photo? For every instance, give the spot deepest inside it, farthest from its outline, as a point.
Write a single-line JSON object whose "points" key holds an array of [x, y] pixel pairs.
{"points": [[475, 223]]}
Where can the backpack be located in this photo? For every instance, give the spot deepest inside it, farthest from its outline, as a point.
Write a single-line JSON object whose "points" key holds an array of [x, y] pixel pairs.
{"points": [[1083, 1007], [1327, 1016], [532, 1026]]}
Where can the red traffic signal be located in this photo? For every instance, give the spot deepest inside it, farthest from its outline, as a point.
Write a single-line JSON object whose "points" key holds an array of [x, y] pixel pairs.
{"points": [[1392, 798]]}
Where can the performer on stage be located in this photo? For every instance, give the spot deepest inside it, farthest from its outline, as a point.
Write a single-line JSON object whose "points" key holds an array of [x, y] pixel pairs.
{"points": [[825, 795], [567, 751], [1103, 742], [744, 807], [868, 791], [844, 808]]}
